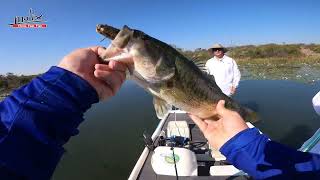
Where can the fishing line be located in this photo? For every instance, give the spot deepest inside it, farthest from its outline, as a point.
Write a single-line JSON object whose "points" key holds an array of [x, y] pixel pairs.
{"points": [[103, 39], [174, 157], [175, 122], [175, 164]]}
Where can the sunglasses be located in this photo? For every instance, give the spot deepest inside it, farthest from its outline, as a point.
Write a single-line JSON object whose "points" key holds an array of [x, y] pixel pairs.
{"points": [[218, 49]]}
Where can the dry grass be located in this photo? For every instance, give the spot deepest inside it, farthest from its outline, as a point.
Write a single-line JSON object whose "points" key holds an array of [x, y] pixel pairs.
{"points": [[283, 60]]}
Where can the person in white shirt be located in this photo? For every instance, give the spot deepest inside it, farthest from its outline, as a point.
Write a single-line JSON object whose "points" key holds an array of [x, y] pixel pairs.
{"points": [[224, 69]]}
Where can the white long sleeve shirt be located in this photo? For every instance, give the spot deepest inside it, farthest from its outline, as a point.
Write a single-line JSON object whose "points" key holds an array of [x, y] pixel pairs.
{"points": [[316, 103], [225, 72]]}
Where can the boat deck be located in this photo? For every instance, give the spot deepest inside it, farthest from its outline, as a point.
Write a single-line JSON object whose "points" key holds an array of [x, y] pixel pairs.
{"points": [[204, 158]]}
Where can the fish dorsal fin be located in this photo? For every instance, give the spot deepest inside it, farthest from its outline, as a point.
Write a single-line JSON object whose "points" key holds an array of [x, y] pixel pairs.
{"points": [[202, 66], [161, 107]]}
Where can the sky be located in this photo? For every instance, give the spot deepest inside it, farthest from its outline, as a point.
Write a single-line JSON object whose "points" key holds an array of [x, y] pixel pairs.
{"points": [[188, 24]]}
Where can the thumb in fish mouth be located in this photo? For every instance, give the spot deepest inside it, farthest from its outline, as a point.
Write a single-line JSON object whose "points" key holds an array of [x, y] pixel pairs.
{"points": [[120, 38], [115, 54], [111, 51]]}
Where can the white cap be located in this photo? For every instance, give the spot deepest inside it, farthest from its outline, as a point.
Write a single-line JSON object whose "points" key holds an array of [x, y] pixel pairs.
{"points": [[316, 103]]}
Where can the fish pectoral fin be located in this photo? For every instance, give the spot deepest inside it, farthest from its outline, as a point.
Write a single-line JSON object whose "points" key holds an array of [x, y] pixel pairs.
{"points": [[161, 107], [202, 66]]}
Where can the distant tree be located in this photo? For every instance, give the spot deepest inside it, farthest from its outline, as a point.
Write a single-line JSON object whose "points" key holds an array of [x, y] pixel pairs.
{"points": [[24, 80], [11, 81], [3, 84], [9, 74]]}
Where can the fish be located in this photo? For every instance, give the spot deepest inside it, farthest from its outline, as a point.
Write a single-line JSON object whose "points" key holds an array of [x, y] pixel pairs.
{"points": [[170, 77]]}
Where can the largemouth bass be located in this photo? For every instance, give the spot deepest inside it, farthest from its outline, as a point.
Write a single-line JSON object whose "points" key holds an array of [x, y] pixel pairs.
{"points": [[170, 77]]}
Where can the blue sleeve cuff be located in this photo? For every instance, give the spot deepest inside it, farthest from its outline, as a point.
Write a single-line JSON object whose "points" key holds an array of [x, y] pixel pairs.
{"points": [[240, 140], [82, 93]]}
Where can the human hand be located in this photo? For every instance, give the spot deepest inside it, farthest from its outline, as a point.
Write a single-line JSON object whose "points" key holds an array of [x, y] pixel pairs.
{"points": [[106, 79], [220, 131]]}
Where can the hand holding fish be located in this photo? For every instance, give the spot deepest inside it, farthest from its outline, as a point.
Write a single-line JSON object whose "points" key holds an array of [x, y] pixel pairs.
{"points": [[219, 132], [106, 79]]}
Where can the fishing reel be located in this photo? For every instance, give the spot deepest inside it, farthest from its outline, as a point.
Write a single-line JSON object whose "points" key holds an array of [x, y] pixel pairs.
{"points": [[174, 141]]}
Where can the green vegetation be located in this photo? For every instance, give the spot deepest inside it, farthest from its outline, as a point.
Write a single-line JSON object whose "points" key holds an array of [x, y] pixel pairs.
{"points": [[11, 81], [267, 51], [313, 47], [299, 62]]}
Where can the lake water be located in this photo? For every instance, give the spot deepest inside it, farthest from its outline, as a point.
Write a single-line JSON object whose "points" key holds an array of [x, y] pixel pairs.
{"points": [[110, 139]]}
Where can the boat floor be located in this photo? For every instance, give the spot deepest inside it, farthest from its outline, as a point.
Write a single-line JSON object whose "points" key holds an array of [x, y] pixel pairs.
{"points": [[204, 159]]}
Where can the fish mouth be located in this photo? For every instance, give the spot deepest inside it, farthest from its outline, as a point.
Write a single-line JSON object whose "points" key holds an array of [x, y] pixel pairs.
{"points": [[107, 31]]}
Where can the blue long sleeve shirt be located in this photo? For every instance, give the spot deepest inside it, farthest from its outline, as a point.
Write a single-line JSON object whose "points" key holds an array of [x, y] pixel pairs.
{"points": [[39, 118], [262, 158]]}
